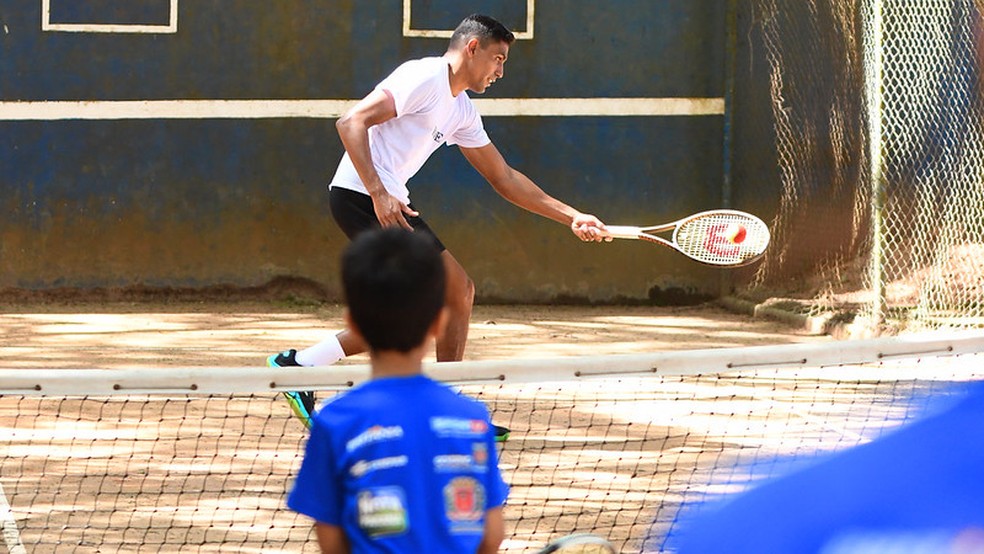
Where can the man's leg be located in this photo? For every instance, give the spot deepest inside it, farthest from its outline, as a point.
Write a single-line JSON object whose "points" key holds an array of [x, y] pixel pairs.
{"points": [[329, 351], [326, 352], [351, 344], [459, 298]]}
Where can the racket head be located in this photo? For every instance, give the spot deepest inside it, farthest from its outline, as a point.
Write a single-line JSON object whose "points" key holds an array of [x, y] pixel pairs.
{"points": [[579, 543], [722, 237]]}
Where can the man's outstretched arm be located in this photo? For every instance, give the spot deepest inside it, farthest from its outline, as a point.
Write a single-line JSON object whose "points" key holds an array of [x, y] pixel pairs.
{"points": [[520, 190]]}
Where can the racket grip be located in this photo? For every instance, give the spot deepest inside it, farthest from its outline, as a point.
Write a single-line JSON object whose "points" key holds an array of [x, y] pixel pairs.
{"points": [[623, 231]]}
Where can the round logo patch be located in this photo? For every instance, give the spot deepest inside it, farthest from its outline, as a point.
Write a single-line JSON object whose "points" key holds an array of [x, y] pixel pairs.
{"points": [[464, 499]]}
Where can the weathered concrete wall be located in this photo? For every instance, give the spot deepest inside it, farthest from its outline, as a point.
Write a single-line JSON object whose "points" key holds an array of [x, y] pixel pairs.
{"points": [[190, 201]]}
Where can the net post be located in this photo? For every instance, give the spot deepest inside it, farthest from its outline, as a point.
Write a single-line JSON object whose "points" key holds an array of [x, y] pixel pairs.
{"points": [[874, 99]]}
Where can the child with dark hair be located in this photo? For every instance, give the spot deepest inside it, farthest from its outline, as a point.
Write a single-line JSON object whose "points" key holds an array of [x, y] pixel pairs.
{"points": [[401, 463]]}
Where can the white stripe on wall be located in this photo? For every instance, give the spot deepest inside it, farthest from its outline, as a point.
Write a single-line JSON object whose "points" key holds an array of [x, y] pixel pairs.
{"points": [[326, 109], [600, 106]]}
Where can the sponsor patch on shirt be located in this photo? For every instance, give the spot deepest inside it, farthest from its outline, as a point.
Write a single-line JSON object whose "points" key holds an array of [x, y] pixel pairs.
{"points": [[458, 427], [382, 511], [376, 433], [480, 453], [476, 462], [464, 505], [363, 467]]}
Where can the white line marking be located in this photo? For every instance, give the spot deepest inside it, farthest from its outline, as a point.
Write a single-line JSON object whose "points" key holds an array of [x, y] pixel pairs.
{"points": [[172, 109], [526, 34], [599, 106], [328, 109], [8, 527], [47, 25]]}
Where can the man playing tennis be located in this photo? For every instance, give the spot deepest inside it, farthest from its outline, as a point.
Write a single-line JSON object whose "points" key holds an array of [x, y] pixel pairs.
{"points": [[388, 136], [400, 463]]}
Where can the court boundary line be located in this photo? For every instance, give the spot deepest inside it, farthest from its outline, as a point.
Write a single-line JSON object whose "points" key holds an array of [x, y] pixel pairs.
{"points": [[54, 110]]}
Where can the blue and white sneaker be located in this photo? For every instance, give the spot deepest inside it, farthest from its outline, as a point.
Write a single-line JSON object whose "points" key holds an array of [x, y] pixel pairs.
{"points": [[301, 402]]}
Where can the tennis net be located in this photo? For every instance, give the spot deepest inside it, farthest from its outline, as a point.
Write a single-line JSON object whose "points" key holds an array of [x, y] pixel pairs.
{"points": [[200, 459]]}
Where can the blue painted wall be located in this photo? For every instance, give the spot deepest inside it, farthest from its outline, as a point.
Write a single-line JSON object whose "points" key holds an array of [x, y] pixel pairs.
{"points": [[191, 203]]}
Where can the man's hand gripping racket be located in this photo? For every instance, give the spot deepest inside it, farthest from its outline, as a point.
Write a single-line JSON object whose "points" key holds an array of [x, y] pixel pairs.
{"points": [[716, 237]]}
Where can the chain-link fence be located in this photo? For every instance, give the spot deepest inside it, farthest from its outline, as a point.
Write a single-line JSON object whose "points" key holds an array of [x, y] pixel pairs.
{"points": [[876, 112]]}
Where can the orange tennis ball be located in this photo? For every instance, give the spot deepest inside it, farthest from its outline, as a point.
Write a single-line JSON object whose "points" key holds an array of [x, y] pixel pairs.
{"points": [[736, 233]]}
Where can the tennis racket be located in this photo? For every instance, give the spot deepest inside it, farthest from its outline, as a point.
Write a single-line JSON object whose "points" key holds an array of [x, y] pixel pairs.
{"points": [[580, 543], [715, 237]]}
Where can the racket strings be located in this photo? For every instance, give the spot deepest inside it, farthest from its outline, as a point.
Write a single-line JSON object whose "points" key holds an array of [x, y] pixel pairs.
{"points": [[710, 239]]}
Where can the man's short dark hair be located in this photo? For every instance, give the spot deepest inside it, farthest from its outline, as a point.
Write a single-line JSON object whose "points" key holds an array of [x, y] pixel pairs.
{"points": [[482, 27], [393, 282]]}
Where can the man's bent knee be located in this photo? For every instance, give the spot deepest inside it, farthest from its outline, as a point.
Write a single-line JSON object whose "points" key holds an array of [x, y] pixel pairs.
{"points": [[461, 296], [460, 287]]}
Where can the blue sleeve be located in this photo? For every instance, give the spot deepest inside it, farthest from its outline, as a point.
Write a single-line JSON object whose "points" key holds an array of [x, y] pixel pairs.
{"points": [[317, 492]]}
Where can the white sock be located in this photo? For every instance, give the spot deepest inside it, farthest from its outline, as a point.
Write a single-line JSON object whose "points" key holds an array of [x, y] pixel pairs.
{"points": [[325, 352]]}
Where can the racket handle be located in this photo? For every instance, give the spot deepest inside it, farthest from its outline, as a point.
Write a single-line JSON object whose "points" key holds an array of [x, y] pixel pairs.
{"points": [[623, 231]]}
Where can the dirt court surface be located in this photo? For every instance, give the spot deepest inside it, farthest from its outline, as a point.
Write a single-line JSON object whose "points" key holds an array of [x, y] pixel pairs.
{"points": [[208, 473], [619, 456], [241, 334]]}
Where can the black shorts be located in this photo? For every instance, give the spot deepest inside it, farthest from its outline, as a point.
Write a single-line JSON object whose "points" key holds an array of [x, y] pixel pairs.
{"points": [[354, 214]]}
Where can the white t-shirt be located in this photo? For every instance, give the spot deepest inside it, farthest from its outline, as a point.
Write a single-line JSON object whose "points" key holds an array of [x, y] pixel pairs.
{"points": [[427, 116]]}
